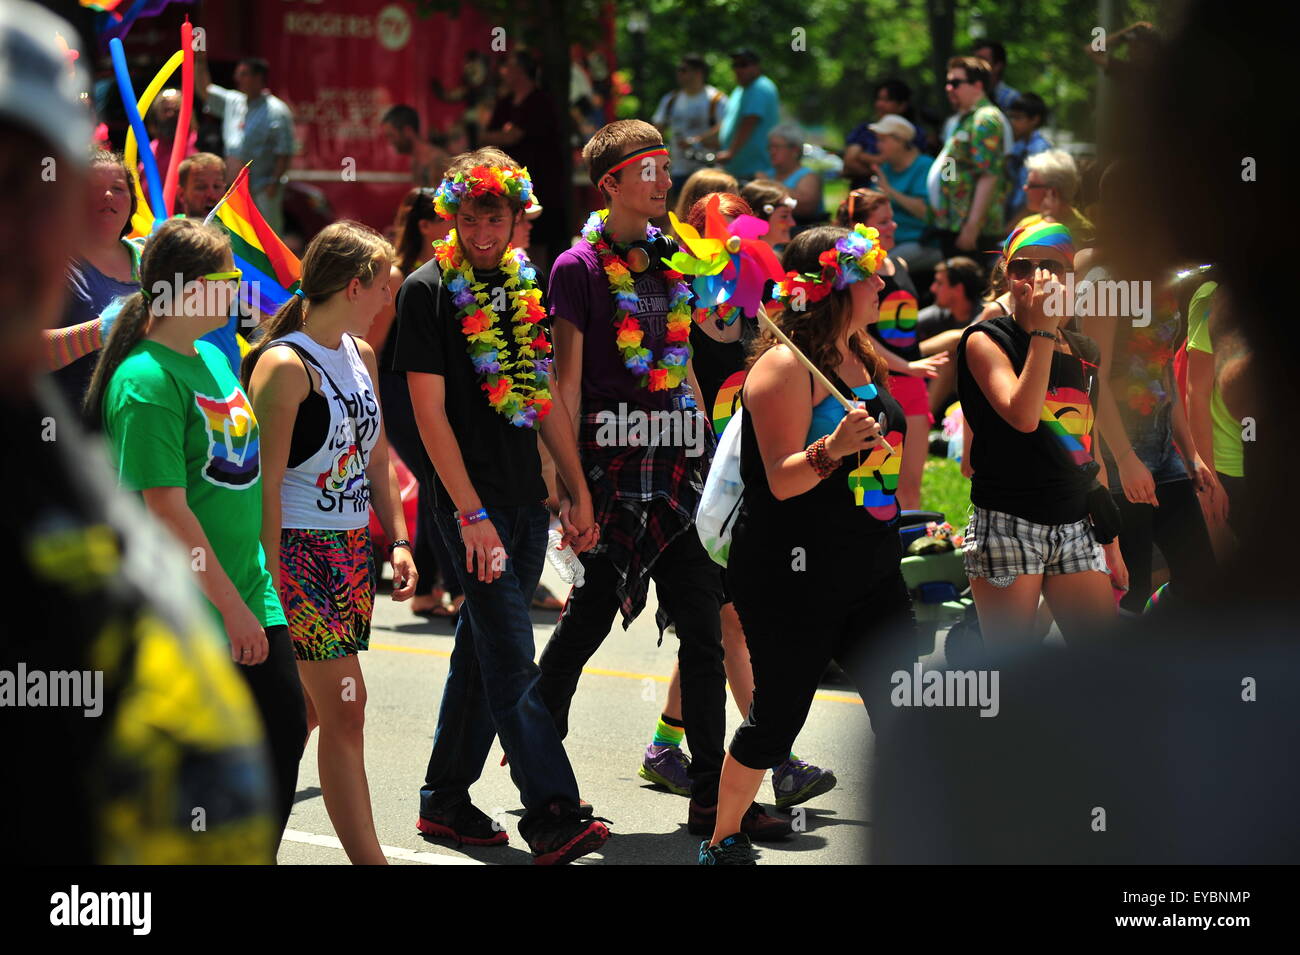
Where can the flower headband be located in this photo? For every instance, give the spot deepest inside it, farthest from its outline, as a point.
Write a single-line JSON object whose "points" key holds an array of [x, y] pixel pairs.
{"points": [[852, 259], [1051, 234], [481, 181]]}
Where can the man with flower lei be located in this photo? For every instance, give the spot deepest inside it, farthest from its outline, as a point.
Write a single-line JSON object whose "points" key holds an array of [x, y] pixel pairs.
{"points": [[622, 326], [478, 364]]}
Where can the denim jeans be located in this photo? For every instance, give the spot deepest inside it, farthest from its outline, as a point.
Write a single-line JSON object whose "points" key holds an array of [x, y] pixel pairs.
{"points": [[492, 685], [689, 587]]}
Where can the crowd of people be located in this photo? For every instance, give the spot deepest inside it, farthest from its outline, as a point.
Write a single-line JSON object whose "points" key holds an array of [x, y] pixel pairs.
{"points": [[1093, 438]]}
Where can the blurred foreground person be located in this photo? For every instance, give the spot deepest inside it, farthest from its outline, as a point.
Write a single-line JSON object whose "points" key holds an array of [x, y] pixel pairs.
{"points": [[136, 740], [1162, 746]]}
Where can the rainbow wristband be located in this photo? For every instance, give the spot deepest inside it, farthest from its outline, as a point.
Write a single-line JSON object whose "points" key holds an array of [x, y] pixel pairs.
{"points": [[472, 518]]}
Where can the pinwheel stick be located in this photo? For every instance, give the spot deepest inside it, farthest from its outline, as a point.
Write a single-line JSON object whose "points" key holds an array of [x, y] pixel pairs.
{"points": [[784, 339]]}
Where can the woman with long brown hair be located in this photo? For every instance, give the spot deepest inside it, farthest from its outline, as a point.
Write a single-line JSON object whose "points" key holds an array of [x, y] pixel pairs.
{"points": [[312, 379], [182, 432], [438, 592], [814, 551], [721, 338]]}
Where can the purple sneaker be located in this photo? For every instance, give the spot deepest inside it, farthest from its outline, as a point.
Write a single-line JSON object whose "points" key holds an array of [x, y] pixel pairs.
{"points": [[665, 766], [796, 781]]}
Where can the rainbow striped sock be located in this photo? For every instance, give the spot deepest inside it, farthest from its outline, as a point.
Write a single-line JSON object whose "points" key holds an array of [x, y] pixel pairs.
{"points": [[669, 732]]}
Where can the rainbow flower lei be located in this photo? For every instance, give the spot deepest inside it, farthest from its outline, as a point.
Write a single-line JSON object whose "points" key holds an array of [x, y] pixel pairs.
{"points": [[481, 181], [853, 258], [517, 390], [668, 372]]}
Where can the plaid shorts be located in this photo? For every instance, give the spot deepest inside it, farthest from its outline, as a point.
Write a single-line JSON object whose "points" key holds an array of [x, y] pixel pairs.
{"points": [[1000, 547]]}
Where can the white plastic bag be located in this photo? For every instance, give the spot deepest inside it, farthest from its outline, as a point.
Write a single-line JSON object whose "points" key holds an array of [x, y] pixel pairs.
{"points": [[723, 490]]}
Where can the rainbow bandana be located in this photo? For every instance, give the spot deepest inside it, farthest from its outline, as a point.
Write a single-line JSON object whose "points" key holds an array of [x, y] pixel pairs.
{"points": [[656, 150], [1051, 234], [853, 258], [481, 181]]}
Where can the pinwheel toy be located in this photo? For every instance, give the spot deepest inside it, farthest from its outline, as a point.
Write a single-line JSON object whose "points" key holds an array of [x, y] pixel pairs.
{"points": [[731, 263]]}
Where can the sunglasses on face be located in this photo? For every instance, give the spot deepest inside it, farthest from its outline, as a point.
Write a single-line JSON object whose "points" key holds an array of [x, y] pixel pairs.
{"points": [[1035, 185], [1023, 269], [955, 82]]}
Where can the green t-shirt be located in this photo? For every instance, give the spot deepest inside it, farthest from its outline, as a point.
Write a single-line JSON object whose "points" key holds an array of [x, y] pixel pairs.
{"points": [[183, 421], [1227, 429]]}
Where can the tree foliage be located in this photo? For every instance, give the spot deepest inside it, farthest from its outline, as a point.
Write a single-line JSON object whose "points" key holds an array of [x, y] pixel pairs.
{"points": [[851, 44]]}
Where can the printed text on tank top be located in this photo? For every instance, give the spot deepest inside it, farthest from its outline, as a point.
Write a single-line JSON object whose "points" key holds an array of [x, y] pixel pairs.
{"points": [[329, 490]]}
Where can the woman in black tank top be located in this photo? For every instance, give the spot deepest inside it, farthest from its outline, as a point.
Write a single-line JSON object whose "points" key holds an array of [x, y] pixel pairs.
{"points": [[1028, 391], [721, 339], [896, 336], [814, 561]]}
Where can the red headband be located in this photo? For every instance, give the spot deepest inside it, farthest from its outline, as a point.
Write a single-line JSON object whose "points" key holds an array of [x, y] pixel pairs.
{"points": [[634, 155]]}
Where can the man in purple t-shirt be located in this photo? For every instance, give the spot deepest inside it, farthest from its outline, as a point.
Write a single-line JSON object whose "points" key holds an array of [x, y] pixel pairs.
{"points": [[645, 481]]}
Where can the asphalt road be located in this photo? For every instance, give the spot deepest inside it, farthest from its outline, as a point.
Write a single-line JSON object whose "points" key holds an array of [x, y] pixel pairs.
{"points": [[612, 718]]}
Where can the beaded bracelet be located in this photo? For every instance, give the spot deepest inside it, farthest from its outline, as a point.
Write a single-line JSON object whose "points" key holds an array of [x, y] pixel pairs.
{"points": [[819, 459], [473, 517]]}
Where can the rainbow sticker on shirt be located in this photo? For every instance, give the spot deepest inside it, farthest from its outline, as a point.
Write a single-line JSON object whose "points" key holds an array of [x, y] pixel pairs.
{"points": [[1067, 414], [232, 440], [897, 325], [727, 401], [875, 481], [347, 471]]}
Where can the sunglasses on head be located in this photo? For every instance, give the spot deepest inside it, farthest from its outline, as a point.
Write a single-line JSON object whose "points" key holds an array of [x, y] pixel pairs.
{"points": [[1023, 269]]}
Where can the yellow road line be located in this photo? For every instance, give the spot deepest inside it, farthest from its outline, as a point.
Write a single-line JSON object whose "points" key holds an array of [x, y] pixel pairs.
{"points": [[601, 671]]}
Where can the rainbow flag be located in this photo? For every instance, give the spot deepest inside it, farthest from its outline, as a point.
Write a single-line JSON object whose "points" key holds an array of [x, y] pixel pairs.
{"points": [[268, 265]]}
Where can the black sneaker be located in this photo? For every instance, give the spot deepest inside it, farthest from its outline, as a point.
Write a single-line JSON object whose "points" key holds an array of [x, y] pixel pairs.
{"points": [[561, 833], [755, 823], [465, 823], [733, 850]]}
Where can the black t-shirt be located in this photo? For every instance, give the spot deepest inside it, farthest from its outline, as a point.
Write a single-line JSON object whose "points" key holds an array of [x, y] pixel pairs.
{"points": [[837, 534], [501, 459], [896, 329], [720, 370], [1042, 476]]}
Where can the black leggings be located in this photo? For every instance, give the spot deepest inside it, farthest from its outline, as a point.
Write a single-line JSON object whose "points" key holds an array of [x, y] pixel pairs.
{"points": [[1177, 527], [279, 698], [867, 628]]}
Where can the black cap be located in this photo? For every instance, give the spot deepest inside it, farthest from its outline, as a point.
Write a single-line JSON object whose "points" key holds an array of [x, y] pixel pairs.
{"points": [[744, 54]]}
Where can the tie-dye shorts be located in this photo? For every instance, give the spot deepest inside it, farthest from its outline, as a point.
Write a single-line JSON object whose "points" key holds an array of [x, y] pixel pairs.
{"points": [[327, 588]]}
